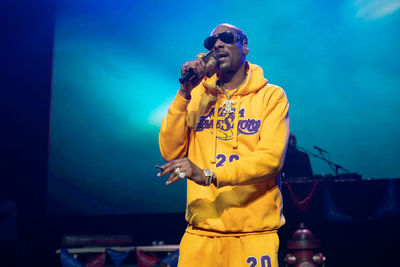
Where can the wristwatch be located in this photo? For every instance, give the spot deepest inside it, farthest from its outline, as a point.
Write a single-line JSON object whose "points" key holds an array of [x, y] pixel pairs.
{"points": [[210, 176]]}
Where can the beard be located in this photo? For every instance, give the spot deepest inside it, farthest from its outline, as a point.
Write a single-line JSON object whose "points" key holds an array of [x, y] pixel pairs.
{"points": [[224, 64]]}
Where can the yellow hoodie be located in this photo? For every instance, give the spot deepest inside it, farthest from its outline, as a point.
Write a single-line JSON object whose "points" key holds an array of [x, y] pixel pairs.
{"points": [[245, 149]]}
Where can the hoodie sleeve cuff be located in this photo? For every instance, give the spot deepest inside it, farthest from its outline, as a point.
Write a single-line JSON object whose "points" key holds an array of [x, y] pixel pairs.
{"points": [[221, 176], [180, 103]]}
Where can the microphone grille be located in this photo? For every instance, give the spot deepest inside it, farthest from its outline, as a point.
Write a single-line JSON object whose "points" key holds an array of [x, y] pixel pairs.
{"points": [[200, 55]]}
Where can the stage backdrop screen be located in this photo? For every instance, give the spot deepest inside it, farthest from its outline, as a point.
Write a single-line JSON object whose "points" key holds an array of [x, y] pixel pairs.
{"points": [[116, 68]]}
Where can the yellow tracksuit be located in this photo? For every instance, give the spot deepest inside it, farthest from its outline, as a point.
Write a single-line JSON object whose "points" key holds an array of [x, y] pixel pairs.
{"points": [[245, 149]]}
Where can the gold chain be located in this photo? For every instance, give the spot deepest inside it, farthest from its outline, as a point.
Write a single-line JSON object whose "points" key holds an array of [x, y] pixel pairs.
{"points": [[227, 104], [226, 93]]}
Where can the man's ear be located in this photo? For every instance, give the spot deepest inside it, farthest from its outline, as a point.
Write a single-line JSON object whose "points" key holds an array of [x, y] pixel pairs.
{"points": [[245, 47]]}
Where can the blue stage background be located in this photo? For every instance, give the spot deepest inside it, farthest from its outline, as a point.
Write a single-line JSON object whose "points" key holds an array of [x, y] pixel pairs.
{"points": [[116, 67]]}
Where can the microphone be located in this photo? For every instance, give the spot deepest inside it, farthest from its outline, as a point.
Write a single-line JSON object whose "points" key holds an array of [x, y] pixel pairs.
{"points": [[320, 149], [187, 75], [210, 57]]}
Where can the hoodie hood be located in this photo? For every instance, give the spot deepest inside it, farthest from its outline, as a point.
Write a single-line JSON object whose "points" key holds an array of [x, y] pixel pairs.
{"points": [[208, 91]]}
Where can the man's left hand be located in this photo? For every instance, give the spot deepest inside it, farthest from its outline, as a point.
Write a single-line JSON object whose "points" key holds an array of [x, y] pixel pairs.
{"points": [[182, 168]]}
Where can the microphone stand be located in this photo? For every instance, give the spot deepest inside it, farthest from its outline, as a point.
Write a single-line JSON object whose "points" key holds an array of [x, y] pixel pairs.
{"points": [[334, 167]]}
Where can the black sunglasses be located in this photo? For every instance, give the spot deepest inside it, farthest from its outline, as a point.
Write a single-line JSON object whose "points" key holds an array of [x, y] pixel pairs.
{"points": [[226, 37]]}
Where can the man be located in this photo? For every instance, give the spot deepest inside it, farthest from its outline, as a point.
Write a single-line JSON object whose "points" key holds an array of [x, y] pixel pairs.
{"points": [[227, 135], [297, 163]]}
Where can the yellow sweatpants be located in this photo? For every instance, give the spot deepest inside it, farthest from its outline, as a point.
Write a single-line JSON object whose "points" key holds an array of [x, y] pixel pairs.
{"points": [[258, 250]]}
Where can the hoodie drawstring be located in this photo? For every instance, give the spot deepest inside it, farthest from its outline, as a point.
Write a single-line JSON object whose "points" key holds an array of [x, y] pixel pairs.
{"points": [[213, 135], [236, 123]]}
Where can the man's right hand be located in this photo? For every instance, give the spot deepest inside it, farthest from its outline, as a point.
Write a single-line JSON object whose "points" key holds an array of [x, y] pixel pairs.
{"points": [[200, 68]]}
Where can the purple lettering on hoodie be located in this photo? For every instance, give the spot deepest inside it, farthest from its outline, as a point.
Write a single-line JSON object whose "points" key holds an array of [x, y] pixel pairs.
{"points": [[226, 121]]}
